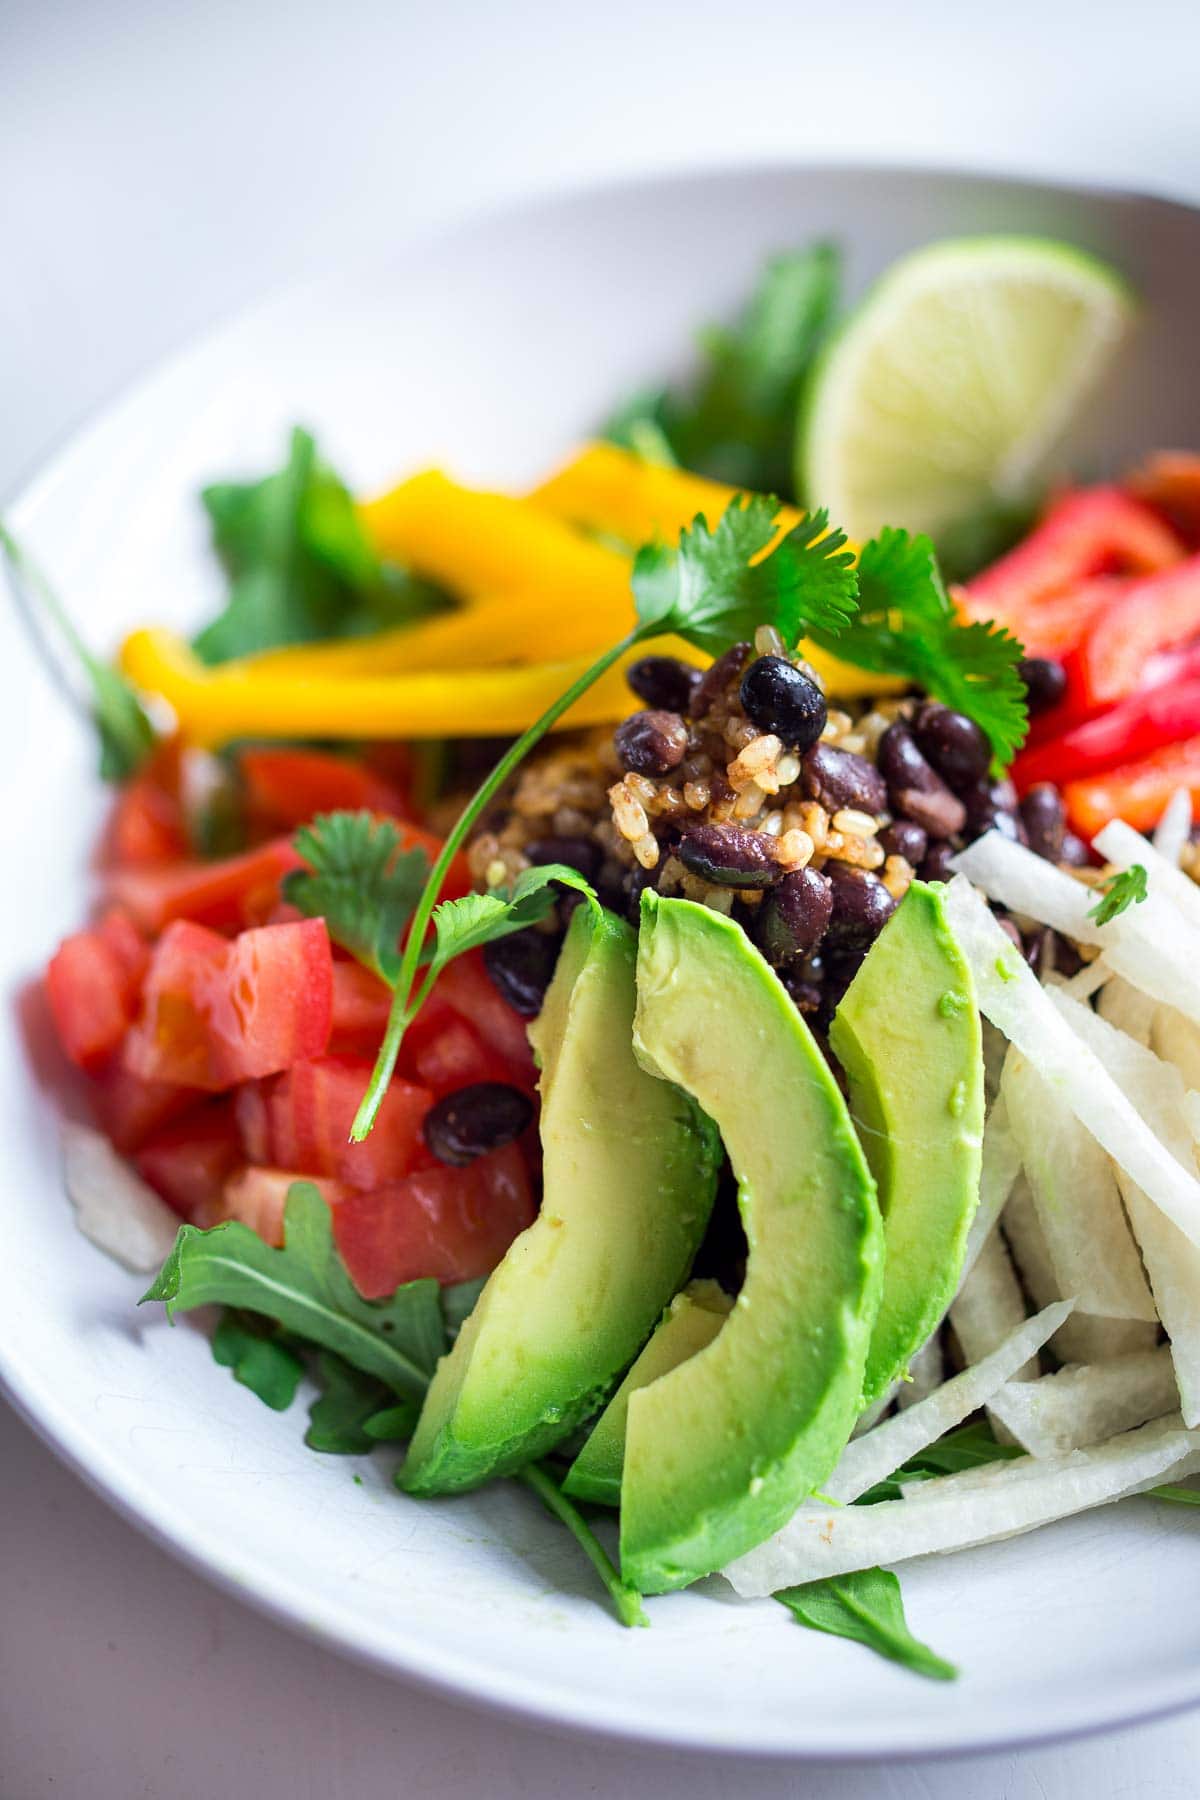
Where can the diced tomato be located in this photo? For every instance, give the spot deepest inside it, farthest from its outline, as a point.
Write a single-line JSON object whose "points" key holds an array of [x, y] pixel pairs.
{"points": [[257, 1197], [310, 1110], [130, 1109], [147, 828], [465, 986], [1157, 613], [92, 985], [215, 1013], [360, 1009], [286, 788], [188, 1162], [252, 1120], [1136, 791], [1123, 733], [452, 1224], [456, 1056], [1097, 531], [225, 895]]}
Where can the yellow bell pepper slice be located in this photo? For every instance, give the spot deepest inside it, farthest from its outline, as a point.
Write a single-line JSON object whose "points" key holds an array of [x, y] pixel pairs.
{"points": [[607, 489], [235, 700]]}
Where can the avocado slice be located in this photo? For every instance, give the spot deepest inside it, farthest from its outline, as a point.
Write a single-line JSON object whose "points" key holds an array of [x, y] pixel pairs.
{"points": [[720, 1452], [692, 1320], [630, 1168], [907, 1033]]}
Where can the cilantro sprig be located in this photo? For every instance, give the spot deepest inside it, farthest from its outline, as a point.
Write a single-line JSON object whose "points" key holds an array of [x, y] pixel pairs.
{"points": [[1128, 888], [906, 625], [708, 591], [127, 738], [361, 882]]}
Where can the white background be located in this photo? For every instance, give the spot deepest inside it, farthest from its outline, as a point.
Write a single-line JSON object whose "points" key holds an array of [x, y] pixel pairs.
{"points": [[160, 164]]}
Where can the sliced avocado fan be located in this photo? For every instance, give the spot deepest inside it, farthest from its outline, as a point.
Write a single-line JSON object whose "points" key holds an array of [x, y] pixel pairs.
{"points": [[720, 1451], [692, 1320], [630, 1167], [907, 1033]]}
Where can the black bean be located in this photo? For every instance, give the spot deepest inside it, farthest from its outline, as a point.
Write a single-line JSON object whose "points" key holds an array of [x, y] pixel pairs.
{"points": [[905, 839], [936, 865], [1011, 932], [729, 856], [861, 906], [1074, 852], [715, 680], [793, 917], [992, 806], [806, 995], [1045, 820], [915, 787], [473, 1120], [1067, 960], [953, 743], [839, 778], [842, 966], [576, 852], [776, 697], [520, 967], [1045, 683], [650, 743], [663, 682], [634, 885]]}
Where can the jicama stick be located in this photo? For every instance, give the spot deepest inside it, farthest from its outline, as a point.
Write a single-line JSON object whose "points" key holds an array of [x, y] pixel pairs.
{"points": [[1171, 832], [1081, 1406], [990, 1305], [1084, 1338], [114, 1207]]}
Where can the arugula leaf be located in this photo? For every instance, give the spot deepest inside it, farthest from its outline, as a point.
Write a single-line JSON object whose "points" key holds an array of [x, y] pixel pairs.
{"points": [[866, 1606], [906, 625], [969, 1447], [259, 1360], [712, 592], [300, 564], [127, 738], [361, 883], [736, 421], [306, 1288], [626, 1600], [338, 1417], [392, 1424], [458, 1303], [1128, 888], [479, 919], [1180, 1496]]}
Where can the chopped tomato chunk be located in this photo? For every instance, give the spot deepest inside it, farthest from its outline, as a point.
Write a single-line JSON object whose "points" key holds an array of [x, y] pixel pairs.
{"points": [[455, 1057], [188, 1162], [1097, 531], [360, 1009], [309, 1112], [452, 1224], [1157, 613], [465, 986], [1135, 791], [226, 895], [257, 1197], [92, 985], [286, 788], [130, 1110], [147, 828], [215, 1013]]}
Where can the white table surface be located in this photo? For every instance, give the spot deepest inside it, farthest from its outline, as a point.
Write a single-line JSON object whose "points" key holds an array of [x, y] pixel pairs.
{"points": [[162, 162]]}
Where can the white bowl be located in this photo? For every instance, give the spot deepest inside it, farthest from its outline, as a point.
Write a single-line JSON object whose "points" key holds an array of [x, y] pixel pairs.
{"points": [[491, 350]]}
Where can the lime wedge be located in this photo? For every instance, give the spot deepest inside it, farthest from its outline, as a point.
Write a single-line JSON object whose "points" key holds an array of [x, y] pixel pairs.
{"points": [[944, 393]]}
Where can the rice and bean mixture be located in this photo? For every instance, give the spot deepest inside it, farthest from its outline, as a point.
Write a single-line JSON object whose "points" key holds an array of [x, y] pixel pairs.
{"points": [[743, 788]]}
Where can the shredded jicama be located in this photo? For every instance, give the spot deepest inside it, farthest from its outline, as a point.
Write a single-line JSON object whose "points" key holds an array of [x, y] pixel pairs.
{"points": [[113, 1205], [1081, 1406], [1171, 832]]}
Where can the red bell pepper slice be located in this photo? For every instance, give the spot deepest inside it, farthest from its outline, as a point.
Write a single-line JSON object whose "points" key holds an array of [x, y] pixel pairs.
{"points": [[1135, 791], [1170, 484], [1132, 729], [1158, 613], [1097, 531]]}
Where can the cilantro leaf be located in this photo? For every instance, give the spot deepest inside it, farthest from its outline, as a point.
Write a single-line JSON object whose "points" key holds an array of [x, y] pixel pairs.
{"points": [[338, 1417], [736, 421], [712, 592], [1128, 888], [300, 564], [867, 1607], [259, 1360], [127, 738], [479, 919], [306, 1288], [906, 626], [361, 883]]}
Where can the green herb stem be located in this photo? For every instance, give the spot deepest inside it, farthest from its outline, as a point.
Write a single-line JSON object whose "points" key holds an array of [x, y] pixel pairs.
{"points": [[404, 1009], [626, 1600]]}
